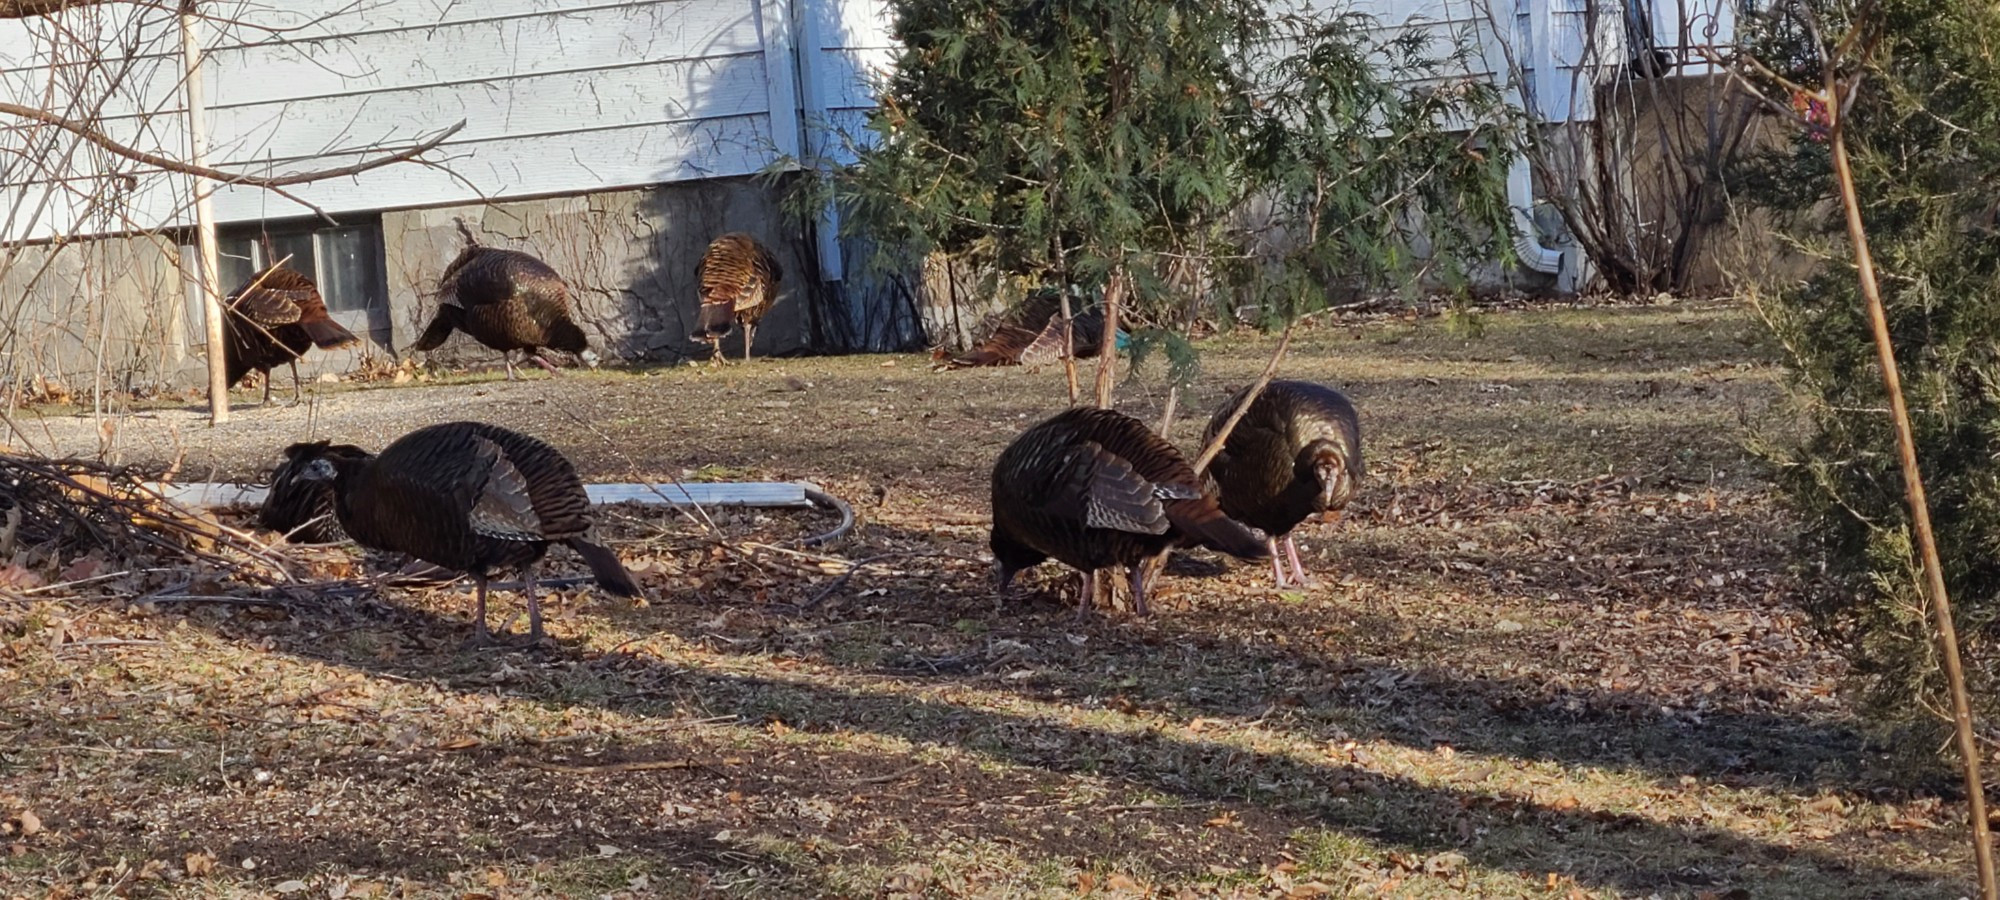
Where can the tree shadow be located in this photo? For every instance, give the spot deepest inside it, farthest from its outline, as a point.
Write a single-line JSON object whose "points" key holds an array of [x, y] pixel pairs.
{"points": [[1276, 793]]}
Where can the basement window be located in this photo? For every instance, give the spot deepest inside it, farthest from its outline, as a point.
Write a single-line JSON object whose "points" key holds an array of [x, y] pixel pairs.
{"points": [[344, 261]]}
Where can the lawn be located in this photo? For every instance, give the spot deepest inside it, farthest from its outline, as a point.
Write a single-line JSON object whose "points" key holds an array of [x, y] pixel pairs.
{"points": [[1556, 652]]}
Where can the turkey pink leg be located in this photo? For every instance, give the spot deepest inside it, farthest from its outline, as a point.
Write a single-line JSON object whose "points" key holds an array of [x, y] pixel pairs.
{"points": [[1292, 553], [1086, 595], [1277, 563], [480, 636], [1139, 589], [538, 360], [507, 358], [267, 389], [534, 604], [298, 393]]}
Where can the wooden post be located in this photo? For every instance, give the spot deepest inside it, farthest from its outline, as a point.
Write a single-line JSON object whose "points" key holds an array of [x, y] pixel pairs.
{"points": [[204, 218]]}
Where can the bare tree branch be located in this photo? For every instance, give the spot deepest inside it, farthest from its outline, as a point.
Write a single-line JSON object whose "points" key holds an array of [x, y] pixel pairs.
{"points": [[91, 134]]}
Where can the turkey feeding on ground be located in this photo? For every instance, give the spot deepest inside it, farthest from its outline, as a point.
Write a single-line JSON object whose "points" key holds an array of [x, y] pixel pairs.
{"points": [[273, 319], [739, 283], [1095, 488], [473, 497], [301, 508], [1295, 454], [507, 300], [1033, 336]]}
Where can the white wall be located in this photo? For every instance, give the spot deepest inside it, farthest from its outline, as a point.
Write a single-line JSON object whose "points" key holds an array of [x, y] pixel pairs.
{"points": [[557, 96]]}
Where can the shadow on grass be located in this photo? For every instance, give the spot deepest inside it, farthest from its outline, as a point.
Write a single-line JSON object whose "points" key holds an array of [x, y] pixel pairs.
{"points": [[1275, 793]]}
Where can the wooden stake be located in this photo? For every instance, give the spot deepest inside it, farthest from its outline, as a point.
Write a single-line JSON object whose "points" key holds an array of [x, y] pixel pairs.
{"points": [[204, 219], [1215, 443], [1913, 489]]}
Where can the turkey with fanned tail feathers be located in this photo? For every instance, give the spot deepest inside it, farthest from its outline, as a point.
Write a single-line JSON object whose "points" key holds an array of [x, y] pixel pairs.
{"points": [[507, 300], [1295, 454], [1095, 488], [274, 318], [472, 497]]}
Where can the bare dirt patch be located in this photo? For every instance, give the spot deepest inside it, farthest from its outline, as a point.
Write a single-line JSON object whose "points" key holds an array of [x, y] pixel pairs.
{"points": [[1556, 653]]}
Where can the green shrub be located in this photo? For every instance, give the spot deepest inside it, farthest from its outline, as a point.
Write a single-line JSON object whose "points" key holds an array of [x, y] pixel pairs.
{"points": [[1924, 137]]}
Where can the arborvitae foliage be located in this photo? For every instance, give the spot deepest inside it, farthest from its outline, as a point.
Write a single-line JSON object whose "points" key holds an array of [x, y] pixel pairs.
{"points": [[1924, 136], [1064, 140]]}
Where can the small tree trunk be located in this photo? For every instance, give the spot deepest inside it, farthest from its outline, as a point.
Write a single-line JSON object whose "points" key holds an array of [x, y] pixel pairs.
{"points": [[204, 217], [1069, 347], [1913, 488], [1107, 344]]}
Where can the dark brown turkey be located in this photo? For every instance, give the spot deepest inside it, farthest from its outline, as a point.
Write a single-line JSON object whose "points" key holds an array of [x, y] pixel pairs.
{"points": [[739, 283], [472, 497], [1096, 488], [301, 508], [1296, 454], [274, 318], [507, 300]]}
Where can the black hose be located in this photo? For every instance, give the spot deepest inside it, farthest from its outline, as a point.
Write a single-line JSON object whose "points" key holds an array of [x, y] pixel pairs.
{"points": [[825, 500]]}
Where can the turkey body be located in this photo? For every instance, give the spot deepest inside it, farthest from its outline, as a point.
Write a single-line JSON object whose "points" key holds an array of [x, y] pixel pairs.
{"points": [[1295, 454], [473, 497], [739, 283], [506, 300], [1034, 336], [301, 508], [1095, 488], [274, 318]]}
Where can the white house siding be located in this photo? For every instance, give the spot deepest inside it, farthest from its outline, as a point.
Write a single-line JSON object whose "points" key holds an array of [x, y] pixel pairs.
{"points": [[557, 96], [845, 52]]}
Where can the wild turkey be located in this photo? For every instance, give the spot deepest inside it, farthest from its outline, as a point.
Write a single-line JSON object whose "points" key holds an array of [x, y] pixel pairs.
{"points": [[1033, 337], [299, 508], [472, 497], [739, 282], [1096, 488], [507, 300], [274, 318], [1295, 454]]}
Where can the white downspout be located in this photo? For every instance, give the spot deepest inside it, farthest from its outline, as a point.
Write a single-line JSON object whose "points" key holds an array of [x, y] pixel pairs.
{"points": [[1521, 200], [1545, 70]]}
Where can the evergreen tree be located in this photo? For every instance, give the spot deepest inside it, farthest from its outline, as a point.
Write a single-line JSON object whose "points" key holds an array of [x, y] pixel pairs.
{"points": [[1078, 141], [1924, 139]]}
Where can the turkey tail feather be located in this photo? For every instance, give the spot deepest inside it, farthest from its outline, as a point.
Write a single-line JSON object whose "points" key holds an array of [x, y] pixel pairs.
{"points": [[604, 565], [439, 329], [327, 334], [1213, 530]]}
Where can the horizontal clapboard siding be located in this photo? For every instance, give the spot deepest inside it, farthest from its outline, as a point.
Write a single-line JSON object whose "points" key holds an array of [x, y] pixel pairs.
{"points": [[558, 96]]}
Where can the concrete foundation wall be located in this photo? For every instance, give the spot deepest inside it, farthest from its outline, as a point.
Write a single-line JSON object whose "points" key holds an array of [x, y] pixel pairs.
{"points": [[629, 258], [116, 312]]}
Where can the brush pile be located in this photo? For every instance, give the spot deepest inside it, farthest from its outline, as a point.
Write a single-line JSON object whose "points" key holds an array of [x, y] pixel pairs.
{"points": [[70, 519]]}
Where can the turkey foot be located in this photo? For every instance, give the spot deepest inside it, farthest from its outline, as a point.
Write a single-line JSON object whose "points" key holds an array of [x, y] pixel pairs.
{"points": [[1300, 578]]}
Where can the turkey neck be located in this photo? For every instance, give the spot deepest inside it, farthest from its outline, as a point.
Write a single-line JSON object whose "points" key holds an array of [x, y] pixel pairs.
{"points": [[354, 497]]}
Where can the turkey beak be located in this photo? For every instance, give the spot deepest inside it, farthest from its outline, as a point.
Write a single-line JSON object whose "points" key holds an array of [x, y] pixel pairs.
{"points": [[1332, 481]]}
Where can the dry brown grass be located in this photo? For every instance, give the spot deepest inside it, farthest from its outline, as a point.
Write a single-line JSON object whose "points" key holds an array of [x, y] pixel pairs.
{"points": [[1520, 679]]}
